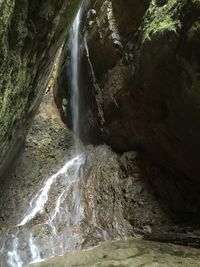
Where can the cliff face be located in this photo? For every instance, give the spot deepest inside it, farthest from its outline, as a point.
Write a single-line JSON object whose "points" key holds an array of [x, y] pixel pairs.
{"points": [[140, 82], [103, 42], [31, 32], [167, 79]]}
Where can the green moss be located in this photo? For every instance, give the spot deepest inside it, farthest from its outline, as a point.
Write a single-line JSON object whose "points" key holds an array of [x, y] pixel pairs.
{"points": [[196, 3], [6, 10], [30, 35], [160, 18], [14, 85]]}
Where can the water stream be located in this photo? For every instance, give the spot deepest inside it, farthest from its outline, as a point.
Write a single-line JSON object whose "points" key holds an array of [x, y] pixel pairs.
{"points": [[49, 226], [75, 45]]}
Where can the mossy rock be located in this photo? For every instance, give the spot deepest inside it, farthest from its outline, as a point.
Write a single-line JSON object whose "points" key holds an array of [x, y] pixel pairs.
{"points": [[31, 33]]}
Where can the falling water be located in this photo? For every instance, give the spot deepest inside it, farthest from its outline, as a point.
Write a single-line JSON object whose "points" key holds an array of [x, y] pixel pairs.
{"points": [[35, 254], [58, 205], [74, 47], [14, 259], [49, 226], [41, 198]]}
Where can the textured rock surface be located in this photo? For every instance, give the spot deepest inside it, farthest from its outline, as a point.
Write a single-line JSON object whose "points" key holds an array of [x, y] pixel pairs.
{"points": [[114, 197], [129, 253], [41, 154], [140, 79], [30, 34]]}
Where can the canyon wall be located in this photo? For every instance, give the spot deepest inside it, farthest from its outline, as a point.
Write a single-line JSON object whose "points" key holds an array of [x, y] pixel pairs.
{"points": [[31, 32], [140, 80]]}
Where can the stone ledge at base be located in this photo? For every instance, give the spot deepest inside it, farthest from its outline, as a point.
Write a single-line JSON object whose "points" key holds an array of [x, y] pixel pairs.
{"points": [[128, 253]]}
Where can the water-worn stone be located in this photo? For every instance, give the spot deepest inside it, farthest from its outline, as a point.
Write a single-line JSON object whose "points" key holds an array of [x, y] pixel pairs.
{"points": [[129, 253], [30, 34]]}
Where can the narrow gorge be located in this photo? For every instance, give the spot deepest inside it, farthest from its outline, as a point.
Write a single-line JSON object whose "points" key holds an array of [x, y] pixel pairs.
{"points": [[99, 133]]}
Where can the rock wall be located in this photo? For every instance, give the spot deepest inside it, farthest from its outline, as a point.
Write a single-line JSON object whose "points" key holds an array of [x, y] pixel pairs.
{"points": [[31, 32], [140, 84]]}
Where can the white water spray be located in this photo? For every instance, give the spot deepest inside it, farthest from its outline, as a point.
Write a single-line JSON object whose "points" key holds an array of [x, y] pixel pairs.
{"points": [[67, 185], [14, 259], [41, 198], [35, 254], [63, 186]]}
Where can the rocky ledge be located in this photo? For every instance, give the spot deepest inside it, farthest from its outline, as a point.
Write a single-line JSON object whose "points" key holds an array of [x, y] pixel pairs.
{"points": [[133, 252]]}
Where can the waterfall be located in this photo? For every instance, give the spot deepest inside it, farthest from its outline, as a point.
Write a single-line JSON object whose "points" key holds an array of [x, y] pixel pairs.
{"points": [[75, 95], [49, 225], [38, 202], [14, 259], [59, 207], [35, 254]]}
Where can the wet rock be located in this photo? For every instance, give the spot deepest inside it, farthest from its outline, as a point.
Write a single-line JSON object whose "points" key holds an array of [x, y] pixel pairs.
{"points": [[43, 152], [30, 35], [103, 196], [128, 253]]}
